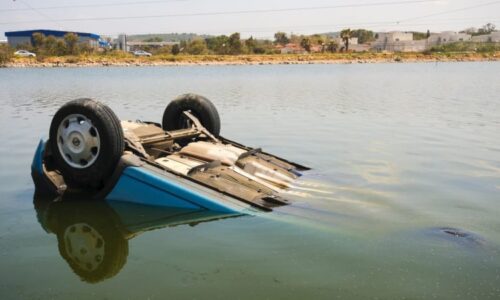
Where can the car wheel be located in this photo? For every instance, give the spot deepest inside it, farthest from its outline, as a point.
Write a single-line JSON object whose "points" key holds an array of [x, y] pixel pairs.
{"points": [[199, 106], [87, 141]]}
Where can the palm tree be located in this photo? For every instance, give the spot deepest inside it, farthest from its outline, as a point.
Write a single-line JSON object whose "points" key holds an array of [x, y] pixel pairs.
{"points": [[306, 44], [345, 35]]}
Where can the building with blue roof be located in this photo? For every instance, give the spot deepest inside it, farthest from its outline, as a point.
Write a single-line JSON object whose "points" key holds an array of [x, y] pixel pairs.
{"points": [[25, 37]]}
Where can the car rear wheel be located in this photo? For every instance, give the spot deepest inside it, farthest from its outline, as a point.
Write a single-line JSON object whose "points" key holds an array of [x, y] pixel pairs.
{"points": [[87, 141], [199, 106]]}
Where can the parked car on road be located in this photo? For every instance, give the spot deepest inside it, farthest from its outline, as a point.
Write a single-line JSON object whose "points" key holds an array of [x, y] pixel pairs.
{"points": [[141, 53], [24, 53]]}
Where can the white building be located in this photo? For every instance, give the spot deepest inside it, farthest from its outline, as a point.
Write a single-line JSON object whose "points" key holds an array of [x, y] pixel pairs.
{"points": [[395, 36], [447, 37], [291, 48], [397, 41], [493, 37], [121, 42], [352, 41], [359, 47]]}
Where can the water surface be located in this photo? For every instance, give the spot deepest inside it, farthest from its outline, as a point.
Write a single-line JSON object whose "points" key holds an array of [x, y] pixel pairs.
{"points": [[407, 158]]}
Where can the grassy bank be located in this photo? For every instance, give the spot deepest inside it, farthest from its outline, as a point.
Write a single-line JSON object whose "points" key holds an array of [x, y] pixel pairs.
{"points": [[125, 59]]}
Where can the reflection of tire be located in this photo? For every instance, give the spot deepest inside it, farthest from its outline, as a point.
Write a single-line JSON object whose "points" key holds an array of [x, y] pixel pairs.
{"points": [[200, 107], [87, 141], [90, 241]]}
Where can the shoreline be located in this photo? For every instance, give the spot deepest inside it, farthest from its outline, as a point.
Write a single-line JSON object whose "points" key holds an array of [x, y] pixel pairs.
{"points": [[251, 60]]}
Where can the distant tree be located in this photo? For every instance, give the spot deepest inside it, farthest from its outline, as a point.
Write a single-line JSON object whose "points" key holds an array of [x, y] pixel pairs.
{"points": [[251, 44], [259, 50], [165, 49], [345, 35], [154, 39], [470, 30], [60, 47], [419, 35], [38, 41], [182, 45], [218, 44], [50, 45], [5, 54], [85, 48], [332, 46], [235, 46], [363, 35], [71, 40], [316, 39], [176, 49], [281, 38], [197, 47], [306, 44], [428, 33], [488, 28]]}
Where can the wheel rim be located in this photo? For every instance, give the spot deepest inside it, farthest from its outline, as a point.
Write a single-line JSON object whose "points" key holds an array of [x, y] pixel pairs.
{"points": [[78, 141], [84, 246]]}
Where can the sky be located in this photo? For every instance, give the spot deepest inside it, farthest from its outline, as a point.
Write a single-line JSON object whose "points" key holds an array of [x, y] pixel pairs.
{"points": [[258, 18]]}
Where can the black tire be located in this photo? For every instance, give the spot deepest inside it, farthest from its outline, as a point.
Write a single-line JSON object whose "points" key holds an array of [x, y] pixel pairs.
{"points": [[200, 107], [107, 154]]}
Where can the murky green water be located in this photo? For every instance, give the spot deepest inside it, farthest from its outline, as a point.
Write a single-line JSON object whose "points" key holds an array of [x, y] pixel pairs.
{"points": [[399, 152]]}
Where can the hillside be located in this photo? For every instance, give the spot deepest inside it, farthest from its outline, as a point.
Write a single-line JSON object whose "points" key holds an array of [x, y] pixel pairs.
{"points": [[166, 37]]}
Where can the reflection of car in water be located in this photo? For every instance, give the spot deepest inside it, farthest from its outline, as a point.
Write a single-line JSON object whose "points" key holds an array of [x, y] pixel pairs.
{"points": [[93, 236], [182, 163]]}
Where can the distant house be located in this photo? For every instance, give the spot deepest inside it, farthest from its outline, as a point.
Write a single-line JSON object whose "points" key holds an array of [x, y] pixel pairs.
{"points": [[493, 37], [398, 41], [340, 41], [292, 48], [316, 48], [18, 38], [447, 37], [359, 47]]}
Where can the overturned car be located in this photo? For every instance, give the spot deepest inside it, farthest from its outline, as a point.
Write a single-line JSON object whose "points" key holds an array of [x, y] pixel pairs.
{"points": [[182, 163]]}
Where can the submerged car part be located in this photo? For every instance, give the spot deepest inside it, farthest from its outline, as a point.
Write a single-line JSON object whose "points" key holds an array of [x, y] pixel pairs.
{"points": [[185, 157]]}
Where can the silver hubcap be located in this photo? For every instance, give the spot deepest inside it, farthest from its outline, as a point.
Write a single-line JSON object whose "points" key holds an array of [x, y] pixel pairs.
{"points": [[78, 141], [84, 246]]}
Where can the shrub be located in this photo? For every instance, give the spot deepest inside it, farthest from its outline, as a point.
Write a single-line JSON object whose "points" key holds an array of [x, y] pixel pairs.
{"points": [[5, 54]]}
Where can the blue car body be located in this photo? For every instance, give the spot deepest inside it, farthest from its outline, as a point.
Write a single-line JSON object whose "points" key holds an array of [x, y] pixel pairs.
{"points": [[147, 186]]}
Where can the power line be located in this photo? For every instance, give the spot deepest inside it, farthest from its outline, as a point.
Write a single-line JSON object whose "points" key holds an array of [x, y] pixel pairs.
{"points": [[450, 11], [91, 5], [303, 28], [29, 7], [337, 25], [353, 25], [237, 12], [296, 28]]}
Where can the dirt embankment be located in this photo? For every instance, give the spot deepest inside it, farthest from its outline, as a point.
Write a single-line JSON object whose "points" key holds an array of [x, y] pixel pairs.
{"points": [[188, 60]]}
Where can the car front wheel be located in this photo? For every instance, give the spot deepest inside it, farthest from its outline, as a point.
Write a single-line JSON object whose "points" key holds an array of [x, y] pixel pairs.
{"points": [[87, 141]]}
